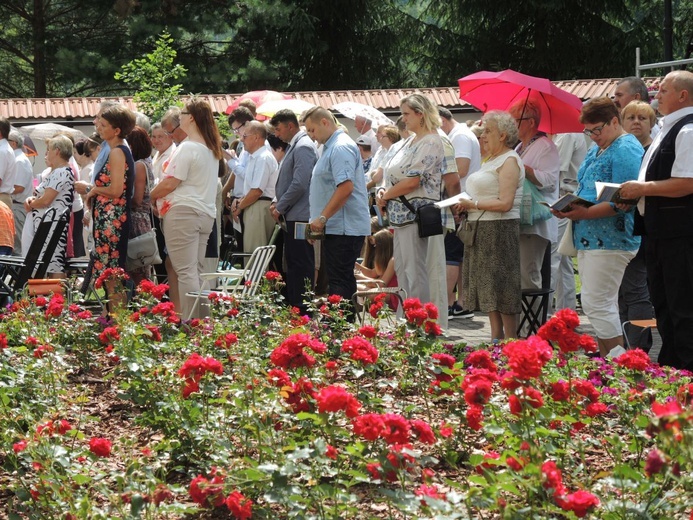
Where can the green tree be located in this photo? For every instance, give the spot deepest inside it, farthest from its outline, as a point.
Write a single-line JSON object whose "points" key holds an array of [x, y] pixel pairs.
{"points": [[153, 77]]}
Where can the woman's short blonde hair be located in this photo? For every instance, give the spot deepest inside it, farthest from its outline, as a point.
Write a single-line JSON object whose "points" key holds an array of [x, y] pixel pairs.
{"points": [[505, 124], [640, 107], [424, 106], [61, 143], [390, 131]]}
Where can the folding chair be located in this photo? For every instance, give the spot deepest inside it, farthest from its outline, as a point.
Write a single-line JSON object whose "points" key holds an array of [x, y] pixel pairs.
{"points": [[369, 294], [643, 324], [242, 283], [83, 267], [228, 260], [535, 302], [15, 271]]}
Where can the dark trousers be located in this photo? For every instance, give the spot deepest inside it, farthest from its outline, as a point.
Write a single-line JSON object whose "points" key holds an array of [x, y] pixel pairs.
{"points": [[670, 278], [341, 252], [299, 259], [634, 300]]}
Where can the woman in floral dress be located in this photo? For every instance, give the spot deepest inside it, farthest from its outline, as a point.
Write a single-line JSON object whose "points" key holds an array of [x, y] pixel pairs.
{"points": [[110, 201]]}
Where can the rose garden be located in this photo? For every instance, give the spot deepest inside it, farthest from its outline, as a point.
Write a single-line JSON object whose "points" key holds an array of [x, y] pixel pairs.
{"points": [[259, 412]]}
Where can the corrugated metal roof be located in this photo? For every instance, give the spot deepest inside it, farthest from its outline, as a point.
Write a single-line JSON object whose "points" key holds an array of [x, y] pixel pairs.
{"points": [[34, 110]]}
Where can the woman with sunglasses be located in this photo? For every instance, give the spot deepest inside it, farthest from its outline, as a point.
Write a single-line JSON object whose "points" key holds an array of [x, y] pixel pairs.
{"points": [[603, 233]]}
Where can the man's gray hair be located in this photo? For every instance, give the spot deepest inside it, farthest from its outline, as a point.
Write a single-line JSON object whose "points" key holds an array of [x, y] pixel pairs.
{"points": [[142, 120], [172, 116], [636, 86]]}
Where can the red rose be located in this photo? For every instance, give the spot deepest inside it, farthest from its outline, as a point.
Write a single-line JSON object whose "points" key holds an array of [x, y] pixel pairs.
{"points": [[335, 399], [654, 462], [240, 506], [634, 359], [100, 447], [581, 502]]}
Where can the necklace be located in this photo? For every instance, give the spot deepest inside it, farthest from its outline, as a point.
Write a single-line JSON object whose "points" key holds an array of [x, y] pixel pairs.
{"points": [[602, 150]]}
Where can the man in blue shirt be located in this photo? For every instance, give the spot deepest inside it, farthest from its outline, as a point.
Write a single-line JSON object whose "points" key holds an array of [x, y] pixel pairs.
{"points": [[338, 200]]}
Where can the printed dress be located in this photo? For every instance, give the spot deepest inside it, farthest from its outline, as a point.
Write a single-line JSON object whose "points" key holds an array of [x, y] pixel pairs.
{"points": [[61, 180], [112, 219]]}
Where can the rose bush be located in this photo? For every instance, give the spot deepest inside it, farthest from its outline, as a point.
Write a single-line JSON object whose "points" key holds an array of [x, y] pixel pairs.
{"points": [[260, 413]]}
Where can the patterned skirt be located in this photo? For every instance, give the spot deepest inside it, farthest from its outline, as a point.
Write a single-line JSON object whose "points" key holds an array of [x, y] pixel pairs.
{"points": [[491, 268]]}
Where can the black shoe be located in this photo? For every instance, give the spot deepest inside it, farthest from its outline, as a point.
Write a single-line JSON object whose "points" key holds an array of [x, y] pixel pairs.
{"points": [[455, 311]]}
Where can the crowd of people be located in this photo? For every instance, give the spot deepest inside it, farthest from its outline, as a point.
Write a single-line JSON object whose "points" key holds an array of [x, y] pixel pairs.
{"points": [[358, 200]]}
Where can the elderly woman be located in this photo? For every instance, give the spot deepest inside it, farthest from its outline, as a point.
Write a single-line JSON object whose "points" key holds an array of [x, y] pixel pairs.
{"points": [[56, 190], [491, 267], [186, 200], [164, 146], [603, 233], [415, 171], [109, 200], [387, 135], [638, 119]]}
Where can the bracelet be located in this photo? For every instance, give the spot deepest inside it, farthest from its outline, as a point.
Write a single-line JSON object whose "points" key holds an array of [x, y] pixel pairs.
{"points": [[476, 204]]}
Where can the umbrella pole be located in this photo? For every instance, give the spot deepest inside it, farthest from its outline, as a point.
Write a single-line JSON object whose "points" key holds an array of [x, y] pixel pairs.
{"points": [[522, 114]]}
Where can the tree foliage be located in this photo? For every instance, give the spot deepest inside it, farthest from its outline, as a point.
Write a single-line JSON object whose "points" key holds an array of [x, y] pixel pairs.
{"points": [[153, 77], [74, 47]]}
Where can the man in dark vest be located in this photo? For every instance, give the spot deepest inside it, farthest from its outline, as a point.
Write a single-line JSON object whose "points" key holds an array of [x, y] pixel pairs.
{"points": [[665, 188]]}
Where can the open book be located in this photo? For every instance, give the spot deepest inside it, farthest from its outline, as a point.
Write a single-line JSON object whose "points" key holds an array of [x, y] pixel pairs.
{"points": [[611, 192], [567, 200]]}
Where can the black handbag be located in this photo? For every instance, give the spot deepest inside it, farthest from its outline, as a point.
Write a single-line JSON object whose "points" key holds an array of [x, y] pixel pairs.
{"points": [[429, 218]]}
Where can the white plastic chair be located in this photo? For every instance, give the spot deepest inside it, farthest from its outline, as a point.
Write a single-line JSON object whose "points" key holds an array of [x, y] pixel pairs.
{"points": [[241, 282]]}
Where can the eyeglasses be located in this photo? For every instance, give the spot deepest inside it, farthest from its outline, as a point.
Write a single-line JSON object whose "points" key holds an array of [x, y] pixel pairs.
{"points": [[172, 131], [596, 131], [184, 112], [237, 128], [520, 119], [245, 136]]}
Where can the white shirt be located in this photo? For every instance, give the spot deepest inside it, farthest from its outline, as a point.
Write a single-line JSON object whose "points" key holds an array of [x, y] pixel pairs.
{"points": [[160, 161], [466, 147], [7, 167], [261, 173], [24, 176], [683, 164], [196, 167]]}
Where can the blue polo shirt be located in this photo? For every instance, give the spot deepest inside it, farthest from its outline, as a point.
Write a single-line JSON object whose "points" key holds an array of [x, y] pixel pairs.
{"points": [[340, 162]]}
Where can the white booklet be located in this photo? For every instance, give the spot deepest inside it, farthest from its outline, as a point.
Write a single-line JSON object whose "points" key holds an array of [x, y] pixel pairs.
{"points": [[446, 203]]}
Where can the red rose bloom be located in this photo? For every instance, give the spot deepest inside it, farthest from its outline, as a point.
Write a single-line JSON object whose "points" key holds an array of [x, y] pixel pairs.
{"points": [[20, 446], [634, 359], [278, 377], [594, 409], [445, 360], [361, 350], [478, 392], [654, 462], [581, 502], [270, 276], [481, 359], [423, 431], [206, 493], [335, 399], [370, 426], [100, 447], [240, 506], [475, 417], [559, 391], [369, 331]]}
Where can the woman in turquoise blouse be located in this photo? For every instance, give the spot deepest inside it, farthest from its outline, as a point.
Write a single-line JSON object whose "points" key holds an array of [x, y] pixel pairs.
{"points": [[602, 233]]}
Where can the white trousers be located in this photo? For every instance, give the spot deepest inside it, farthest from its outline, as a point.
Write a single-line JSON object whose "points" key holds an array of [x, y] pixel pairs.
{"points": [[562, 274], [601, 272]]}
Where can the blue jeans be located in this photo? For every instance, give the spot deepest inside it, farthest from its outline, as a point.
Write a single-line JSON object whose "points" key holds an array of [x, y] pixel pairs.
{"points": [[341, 252]]}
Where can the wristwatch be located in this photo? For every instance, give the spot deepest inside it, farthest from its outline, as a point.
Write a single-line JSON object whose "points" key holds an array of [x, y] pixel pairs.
{"points": [[322, 219]]}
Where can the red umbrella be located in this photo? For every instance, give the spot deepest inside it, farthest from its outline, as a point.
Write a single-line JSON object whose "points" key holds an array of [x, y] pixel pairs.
{"points": [[258, 97], [560, 110]]}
